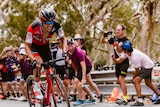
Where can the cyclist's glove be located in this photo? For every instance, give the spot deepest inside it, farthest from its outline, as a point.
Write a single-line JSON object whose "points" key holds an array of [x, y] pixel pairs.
{"points": [[34, 64]]}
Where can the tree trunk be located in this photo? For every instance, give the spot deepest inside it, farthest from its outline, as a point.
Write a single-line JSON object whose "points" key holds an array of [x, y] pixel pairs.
{"points": [[148, 27]]}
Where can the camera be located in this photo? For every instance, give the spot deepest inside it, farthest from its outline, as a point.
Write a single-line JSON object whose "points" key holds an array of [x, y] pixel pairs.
{"points": [[113, 39], [108, 33]]}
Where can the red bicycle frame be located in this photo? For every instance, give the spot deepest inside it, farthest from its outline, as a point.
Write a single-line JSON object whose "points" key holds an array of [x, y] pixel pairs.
{"points": [[49, 86]]}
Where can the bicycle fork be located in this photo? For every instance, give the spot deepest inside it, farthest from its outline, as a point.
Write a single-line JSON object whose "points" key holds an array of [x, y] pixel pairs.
{"points": [[49, 89]]}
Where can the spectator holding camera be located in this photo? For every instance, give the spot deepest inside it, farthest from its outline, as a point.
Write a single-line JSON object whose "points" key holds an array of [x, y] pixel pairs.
{"points": [[117, 40]]}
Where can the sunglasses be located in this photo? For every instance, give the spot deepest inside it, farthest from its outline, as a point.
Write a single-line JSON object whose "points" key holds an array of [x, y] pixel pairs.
{"points": [[8, 50], [49, 23]]}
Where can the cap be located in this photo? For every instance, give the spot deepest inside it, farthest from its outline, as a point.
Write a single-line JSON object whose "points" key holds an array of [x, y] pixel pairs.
{"points": [[16, 49], [70, 40], [77, 36], [127, 46], [23, 52], [8, 49]]}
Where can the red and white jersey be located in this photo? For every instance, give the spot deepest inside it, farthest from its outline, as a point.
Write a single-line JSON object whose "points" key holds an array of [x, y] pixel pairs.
{"points": [[35, 34]]}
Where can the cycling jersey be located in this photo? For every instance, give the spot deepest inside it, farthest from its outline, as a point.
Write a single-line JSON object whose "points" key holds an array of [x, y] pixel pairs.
{"points": [[35, 34]]}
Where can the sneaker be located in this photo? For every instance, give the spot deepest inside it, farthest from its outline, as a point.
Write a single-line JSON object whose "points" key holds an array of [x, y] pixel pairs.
{"points": [[78, 102], [71, 98], [3, 97], [11, 97], [137, 104], [121, 102], [157, 102], [38, 94], [59, 100], [90, 101], [22, 98]]}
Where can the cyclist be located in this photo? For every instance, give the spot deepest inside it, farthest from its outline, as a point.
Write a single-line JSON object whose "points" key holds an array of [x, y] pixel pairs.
{"points": [[121, 68], [82, 65], [37, 41], [143, 70]]}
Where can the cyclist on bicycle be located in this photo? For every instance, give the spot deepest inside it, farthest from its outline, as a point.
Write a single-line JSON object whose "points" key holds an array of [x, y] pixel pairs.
{"points": [[37, 41]]}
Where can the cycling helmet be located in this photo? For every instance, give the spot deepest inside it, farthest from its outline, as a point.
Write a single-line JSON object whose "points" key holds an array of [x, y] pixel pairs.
{"points": [[127, 46], [47, 14]]}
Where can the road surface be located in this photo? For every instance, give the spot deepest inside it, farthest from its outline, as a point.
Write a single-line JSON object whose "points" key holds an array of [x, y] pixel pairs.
{"points": [[11, 103]]}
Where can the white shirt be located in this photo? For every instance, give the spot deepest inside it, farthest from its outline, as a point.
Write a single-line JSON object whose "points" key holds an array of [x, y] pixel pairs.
{"points": [[59, 56], [139, 59]]}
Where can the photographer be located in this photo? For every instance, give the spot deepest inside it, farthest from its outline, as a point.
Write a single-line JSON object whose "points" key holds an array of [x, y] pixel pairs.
{"points": [[117, 40]]}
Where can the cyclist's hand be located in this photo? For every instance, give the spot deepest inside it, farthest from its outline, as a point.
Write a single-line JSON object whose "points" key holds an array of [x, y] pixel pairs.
{"points": [[35, 64]]}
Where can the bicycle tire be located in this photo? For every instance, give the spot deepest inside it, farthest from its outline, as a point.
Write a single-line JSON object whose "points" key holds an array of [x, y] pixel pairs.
{"points": [[65, 103], [29, 83]]}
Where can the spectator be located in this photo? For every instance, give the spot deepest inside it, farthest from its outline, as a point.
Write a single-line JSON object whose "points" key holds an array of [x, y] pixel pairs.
{"points": [[121, 68], [80, 42], [26, 70], [9, 62], [82, 65], [143, 70]]}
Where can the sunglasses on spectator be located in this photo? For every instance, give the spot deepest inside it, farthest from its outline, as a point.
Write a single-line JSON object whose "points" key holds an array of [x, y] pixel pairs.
{"points": [[49, 23], [8, 50]]}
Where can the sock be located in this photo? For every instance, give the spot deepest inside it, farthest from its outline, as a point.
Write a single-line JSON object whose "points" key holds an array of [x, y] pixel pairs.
{"points": [[125, 98], [140, 99]]}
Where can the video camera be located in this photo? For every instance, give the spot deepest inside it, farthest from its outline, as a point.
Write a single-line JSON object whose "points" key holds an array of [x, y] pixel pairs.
{"points": [[112, 39]]}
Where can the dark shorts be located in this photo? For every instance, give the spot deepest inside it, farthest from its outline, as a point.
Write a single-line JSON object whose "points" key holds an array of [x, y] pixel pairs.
{"points": [[43, 51], [7, 76], [145, 73], [71, 73], [25, 76], [79, 73], [61, 71], [121, 70]]}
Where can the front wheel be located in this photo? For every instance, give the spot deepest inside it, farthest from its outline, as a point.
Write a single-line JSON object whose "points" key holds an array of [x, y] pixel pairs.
{"points": [[58, 83], [33, 102]]}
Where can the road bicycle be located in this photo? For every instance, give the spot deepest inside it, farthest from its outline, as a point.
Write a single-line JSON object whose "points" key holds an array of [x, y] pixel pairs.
{"points": [[48, 89]]}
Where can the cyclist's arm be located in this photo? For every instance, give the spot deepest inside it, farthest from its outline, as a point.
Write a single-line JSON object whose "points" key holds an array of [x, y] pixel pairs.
{"points": [[28, 51], [63, 44]]}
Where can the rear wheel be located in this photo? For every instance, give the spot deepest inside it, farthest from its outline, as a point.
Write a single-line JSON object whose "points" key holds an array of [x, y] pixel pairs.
{"points": [[33, 102], [58, 83]]}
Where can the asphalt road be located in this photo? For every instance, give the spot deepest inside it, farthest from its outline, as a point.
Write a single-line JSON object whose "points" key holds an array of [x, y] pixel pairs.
{"points": [[11, 103]]}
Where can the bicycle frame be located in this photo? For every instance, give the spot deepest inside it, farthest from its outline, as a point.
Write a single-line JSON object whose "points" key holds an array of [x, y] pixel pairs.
{"points": [[49, 86]]}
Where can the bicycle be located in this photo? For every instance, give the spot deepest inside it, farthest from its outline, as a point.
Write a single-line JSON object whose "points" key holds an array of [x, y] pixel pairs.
{"points": [[48, 89]]}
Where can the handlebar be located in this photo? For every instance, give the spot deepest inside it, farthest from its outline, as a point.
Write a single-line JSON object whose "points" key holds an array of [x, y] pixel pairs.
{"points": [[51, 63]]}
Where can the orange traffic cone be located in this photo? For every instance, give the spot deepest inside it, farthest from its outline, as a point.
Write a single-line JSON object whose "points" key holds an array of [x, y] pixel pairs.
{"points": [[114, 94]]}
